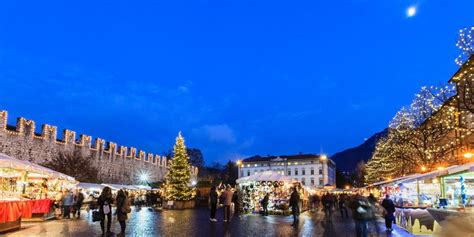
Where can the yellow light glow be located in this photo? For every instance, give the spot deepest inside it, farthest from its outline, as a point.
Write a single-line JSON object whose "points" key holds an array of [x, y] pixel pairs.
{"points": [[468, 155], [423, 168], [324, 157], [440, 168]]}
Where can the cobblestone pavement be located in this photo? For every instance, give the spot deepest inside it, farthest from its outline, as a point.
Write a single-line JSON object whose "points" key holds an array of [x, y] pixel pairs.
{"points": [[195, 222]]}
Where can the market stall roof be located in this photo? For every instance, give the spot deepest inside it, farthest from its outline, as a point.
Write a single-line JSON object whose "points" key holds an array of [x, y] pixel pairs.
{"points": [[461, 168], [90, 186], [115, 186], [392, 180], [429, 175], [265, 176], [129, 187], [13, 163]]}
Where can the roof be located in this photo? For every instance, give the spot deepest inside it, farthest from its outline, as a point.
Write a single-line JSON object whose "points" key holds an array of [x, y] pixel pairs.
{"points": [[265, 176], [284, 157]]}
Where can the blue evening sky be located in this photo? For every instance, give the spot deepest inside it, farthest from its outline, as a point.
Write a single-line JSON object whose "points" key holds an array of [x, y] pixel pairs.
{"points": [[237, 77]]}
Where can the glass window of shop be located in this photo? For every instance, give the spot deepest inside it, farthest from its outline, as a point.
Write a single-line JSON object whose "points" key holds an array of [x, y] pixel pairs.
{"points": [[459, 189], [419, 193]]}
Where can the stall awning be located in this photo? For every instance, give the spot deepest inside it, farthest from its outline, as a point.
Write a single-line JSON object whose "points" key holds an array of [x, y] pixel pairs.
{"points": [[90, 186], [461, 168], [13, 163], [265, 176], [128, 187], [429, 175]]}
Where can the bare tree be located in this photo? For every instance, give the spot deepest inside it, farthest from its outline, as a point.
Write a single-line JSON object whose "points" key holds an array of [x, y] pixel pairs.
{"points": [[74, 165]]}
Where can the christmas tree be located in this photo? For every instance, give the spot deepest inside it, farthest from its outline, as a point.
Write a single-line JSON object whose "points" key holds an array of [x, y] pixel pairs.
{"points": [[177, 181]]}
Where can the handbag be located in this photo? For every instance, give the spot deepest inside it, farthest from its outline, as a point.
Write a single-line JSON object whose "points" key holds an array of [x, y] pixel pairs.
{"points": [[126, 206], [96, 216]]}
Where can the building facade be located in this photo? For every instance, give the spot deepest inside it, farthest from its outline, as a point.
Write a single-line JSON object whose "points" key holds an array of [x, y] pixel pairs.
{"points": [[311, 170]]}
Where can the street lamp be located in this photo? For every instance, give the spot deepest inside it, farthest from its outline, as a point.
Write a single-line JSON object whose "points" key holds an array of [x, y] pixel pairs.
{"points": [[324, 157], [239, 163]]}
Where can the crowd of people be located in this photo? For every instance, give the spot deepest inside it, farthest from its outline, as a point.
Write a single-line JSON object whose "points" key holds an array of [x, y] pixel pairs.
{"points": [[71, 202], [364, 210]]}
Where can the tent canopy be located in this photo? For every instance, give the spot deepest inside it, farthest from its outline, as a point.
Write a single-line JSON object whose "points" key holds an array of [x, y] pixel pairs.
{"points": [[21, 165], [128, 187], [265, 176], [90, 186]]}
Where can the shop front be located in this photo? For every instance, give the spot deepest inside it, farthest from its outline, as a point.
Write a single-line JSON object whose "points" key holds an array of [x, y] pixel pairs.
{"points": [[279, 187], [27, 191]]}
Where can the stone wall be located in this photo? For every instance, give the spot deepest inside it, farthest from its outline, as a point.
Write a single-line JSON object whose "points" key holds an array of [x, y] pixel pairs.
{"points": [[116, 164]]}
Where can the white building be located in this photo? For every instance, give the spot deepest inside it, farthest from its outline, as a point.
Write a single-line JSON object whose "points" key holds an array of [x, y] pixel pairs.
{"points": [[310, 170]]}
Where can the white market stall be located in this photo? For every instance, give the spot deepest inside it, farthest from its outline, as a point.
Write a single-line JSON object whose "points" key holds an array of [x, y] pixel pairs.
{"points": [[255, 187], [27, 191]]}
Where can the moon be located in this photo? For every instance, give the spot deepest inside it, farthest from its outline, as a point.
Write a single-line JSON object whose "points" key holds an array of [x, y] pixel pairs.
{"points": [[411, 11]]}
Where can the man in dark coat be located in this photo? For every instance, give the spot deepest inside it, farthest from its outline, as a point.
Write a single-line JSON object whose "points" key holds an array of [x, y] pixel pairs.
{"points": [[389, 206], [295, 206], [213, 196], [265, 204]]}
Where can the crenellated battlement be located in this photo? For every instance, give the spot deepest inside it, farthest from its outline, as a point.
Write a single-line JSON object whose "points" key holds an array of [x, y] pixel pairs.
{"points": [[23, 142]]}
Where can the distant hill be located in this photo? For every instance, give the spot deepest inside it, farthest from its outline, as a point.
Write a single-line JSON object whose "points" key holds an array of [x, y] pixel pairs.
{"points": [[347, 160]]}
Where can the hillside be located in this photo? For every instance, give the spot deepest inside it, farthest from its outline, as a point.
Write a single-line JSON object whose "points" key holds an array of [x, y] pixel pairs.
{"points": [[347, 160]]}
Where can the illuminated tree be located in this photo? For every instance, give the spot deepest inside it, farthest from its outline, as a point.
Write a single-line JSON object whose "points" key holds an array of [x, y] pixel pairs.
{"points": [[416, 135], [465, 44], [178, 179]]}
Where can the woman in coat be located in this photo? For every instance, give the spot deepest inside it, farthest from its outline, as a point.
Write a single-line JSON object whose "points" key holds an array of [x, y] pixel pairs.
{"points": [[121, 202], [105, 208]]}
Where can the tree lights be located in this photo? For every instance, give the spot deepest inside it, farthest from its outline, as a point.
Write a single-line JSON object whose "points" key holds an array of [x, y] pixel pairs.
{"points": [[178, 179]]}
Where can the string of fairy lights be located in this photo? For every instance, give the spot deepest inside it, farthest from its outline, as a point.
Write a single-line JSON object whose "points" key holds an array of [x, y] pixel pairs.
{"points": [[434, 129]]}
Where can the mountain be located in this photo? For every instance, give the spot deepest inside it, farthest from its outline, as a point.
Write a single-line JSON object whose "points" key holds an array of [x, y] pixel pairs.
{"points": [[347, 160]]}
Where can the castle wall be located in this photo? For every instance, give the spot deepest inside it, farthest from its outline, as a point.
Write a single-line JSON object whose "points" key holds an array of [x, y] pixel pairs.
{"points": [[116, 164]]}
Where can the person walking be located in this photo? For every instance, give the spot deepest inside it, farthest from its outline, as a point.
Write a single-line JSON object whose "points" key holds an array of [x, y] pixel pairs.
{"points": [[373, 211], [79, 199], [389, 207], [213, 197], [328, 203], [342, 206], [360, 208], [68, 201], [105, 209], [235, 200], [265, 204], [227, 203], [123, 208], [295, 206]]}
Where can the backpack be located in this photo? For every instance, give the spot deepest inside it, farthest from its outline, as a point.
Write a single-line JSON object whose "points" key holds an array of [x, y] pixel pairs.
{"points": [[126, 206]]}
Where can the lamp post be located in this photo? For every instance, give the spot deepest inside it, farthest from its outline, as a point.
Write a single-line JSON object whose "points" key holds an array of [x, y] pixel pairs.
{"points": [[239, 164]]}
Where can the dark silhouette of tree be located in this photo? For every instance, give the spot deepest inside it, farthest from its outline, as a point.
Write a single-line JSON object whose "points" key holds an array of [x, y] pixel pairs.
{"points": [[74, 165], [230, 173], [195, 157]]}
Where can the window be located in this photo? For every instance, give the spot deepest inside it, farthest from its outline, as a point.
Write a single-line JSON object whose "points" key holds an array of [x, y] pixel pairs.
{"points": [[303, 181], [321, 181], [296, 171], [248, 172], [320, 171], [289, 172], [303, 171], [312, 171], [312, 181]]}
